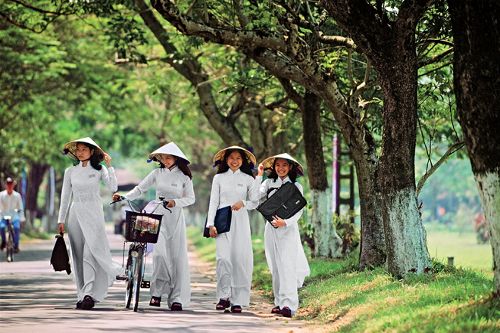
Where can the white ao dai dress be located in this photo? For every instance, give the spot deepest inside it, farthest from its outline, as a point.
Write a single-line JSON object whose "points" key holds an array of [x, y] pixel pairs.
{"points": [[81, 209], [284, 252], [234, 266]]}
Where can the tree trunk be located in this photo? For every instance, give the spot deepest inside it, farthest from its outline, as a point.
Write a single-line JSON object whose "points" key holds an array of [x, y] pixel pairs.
{"points": [[390, 46], [476, 33], [327, 242], [404, 233], [372, 248], [363, 151], [35, 178]]}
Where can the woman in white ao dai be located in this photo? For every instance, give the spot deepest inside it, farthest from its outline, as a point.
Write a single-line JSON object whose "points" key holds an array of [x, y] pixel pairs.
{"points": [[234, 186], [284, 252], [81, 210], [172, 181]]}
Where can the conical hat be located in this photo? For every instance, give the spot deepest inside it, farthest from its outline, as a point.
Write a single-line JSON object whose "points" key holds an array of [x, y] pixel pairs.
{"points": [[269, 162], [169, 149], [71, 146], [220, 154]]}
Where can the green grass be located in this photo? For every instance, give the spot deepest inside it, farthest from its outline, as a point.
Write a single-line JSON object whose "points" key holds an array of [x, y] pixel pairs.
{"points": [[34, 235], [450, 300], [463, 247], [339, 298]]}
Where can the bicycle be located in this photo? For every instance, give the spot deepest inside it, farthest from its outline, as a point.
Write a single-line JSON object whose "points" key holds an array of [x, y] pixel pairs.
{"points": [[141, 228], [9, 241]]}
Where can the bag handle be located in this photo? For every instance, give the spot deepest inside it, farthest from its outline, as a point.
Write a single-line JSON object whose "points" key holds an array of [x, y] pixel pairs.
{"points": [[276, 188]]}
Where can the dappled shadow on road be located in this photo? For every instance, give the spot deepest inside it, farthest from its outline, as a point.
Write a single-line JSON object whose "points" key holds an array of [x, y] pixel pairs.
{"points": [[34, 298], [41, 301], [31, 255]]}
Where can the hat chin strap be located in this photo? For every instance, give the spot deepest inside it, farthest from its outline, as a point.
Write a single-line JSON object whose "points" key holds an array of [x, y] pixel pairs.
{"points": [[66, 151]]}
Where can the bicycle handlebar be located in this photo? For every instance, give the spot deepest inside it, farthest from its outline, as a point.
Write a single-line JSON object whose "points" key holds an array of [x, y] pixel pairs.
{"points": [[122, 198], [162, 199]]}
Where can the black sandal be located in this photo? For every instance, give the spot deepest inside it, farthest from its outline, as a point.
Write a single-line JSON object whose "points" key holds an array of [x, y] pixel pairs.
{"points": [[286, 312], [176, 306], [223, 304], [155, 301], [87, 303], [276, 310], [236, 309]]}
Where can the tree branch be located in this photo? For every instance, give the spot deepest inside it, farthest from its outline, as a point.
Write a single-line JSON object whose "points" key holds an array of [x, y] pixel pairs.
{"points": [[360, 88], [437, 41], [36, 9], [451, 150], [26, 27], [291, 92], [278, 103], [336, 40], [238, 106], [192, 70], [435, 69], [221, 35], [435, 58]]}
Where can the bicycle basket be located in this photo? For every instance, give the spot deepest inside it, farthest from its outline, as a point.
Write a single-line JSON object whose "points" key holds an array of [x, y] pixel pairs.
{"points": [[142, 227]]}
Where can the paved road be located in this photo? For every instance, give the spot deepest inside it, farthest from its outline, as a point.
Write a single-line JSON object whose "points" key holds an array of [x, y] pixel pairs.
{"points": [[34, 298]]}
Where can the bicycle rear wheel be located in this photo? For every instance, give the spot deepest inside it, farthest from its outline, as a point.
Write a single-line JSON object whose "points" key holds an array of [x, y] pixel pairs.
{"points": [[10, 244], [138, 276]]}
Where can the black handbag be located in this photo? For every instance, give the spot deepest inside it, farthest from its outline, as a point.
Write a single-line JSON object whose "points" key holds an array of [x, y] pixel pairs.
{"points": [[222, 221], [60, 258], [285, 202]]}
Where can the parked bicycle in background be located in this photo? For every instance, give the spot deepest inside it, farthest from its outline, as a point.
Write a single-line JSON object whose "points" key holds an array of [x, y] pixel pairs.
{"points": [[11, 206]]}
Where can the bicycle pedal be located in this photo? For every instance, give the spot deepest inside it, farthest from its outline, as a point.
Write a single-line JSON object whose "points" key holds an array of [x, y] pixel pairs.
{"points": [[121, 277], [145, 284]]}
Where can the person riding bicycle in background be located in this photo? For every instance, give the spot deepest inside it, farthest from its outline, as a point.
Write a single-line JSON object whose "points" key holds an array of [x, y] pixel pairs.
{"points": [[11, 204]]}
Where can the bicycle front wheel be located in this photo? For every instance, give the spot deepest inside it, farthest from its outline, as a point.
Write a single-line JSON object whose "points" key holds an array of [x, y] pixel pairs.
{"points": [[10, 245], [130, 280], [138, 277]]}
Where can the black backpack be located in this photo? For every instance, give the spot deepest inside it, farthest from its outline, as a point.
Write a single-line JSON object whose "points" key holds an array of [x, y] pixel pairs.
{"points": [[285, 202]]}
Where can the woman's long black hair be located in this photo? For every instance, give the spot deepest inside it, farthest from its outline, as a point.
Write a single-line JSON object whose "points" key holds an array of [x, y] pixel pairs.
{"points": [[182, 164], [246, 166], [292, 174], [96, 158]]}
